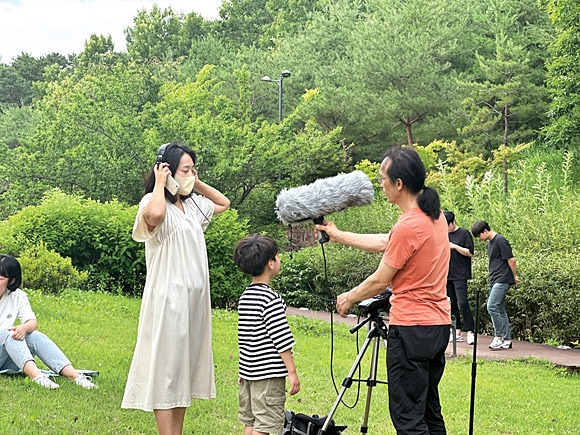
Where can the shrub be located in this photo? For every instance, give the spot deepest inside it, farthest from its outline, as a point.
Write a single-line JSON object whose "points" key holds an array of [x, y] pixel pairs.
{"points": [[309, 279], [227, 282], [43, 269], [544, 307], [97, 239], [95, 236]]}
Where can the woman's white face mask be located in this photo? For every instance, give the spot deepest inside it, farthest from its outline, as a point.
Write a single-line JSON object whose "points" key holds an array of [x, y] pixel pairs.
{"points": [[185, 184]]}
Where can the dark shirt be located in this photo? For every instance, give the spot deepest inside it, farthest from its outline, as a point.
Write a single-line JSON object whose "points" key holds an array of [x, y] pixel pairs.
{"points": [[499, 252], [460, 265]]}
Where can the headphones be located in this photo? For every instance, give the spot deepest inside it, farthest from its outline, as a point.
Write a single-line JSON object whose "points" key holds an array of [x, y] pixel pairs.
{"points": [[160, 153]]}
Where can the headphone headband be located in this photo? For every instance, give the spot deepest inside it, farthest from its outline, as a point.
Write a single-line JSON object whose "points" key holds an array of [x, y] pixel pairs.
{"points": [[161, 152]]}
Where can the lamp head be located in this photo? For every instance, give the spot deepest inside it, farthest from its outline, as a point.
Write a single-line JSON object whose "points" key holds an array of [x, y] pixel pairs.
{"points": [[267, 79], [285, 73]]}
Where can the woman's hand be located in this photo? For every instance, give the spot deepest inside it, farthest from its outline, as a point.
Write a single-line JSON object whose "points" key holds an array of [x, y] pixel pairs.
{"points": [[161, 172], [329, 228], [343, 304], [18, 332]]}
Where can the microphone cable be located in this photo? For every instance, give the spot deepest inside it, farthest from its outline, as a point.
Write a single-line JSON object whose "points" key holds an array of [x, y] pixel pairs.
{"points": [[331, 312]]}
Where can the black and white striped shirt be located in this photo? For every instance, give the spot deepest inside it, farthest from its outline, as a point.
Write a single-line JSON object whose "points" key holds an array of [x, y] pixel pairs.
{"points": [[263, 333]]}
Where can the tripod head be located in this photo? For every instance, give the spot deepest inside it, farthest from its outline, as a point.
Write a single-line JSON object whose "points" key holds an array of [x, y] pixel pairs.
{"points": [[372, 307], [378, 303]]}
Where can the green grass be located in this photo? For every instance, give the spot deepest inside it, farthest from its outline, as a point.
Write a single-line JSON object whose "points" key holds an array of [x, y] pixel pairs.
{"points": [[97, 331]]}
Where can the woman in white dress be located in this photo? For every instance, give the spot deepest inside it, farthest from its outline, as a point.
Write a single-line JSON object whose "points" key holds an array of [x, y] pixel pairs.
{"points": [[173, 361]]}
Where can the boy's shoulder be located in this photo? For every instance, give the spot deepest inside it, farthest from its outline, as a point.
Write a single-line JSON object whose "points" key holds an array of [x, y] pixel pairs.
{"points": [[263, 291]]}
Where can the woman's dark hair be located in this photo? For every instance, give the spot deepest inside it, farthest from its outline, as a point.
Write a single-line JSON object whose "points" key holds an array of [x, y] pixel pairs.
{"points": [[252, 253], [407, 166], [172, 155], [479, 227], [10, 268]]}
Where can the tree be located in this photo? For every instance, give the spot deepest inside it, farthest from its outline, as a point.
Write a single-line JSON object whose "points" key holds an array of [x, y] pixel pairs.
{"points": [[243, 21], [564, 74], [163, 34], [99, 49], [17, 80], [248, 160], [14, 89], [320, 58], [506, 101], [88, 139]]}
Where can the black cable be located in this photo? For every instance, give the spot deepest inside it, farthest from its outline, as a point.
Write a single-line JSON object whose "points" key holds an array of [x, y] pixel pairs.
{"points": [[331, 311]]}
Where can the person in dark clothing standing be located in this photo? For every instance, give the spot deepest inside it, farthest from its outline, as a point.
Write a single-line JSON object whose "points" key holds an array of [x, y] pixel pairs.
{"points": [[502, 274], [461, 245]]}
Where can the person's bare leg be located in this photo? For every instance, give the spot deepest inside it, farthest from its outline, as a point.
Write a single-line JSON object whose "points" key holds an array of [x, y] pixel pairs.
{"points": [[30, 369], [170, 421], [69, 372]]}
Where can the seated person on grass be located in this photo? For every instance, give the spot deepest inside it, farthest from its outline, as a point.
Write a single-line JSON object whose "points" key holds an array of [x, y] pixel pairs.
{"points": [[19, 344]]}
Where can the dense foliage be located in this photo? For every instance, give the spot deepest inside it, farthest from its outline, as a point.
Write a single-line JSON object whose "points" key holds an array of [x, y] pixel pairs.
{"points": [[67, 234]]}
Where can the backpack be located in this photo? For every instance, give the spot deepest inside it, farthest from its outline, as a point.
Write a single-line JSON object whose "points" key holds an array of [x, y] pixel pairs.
{"points": [[302, 424]]}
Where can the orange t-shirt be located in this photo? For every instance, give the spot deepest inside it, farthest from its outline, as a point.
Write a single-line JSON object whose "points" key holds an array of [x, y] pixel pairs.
{"points": [[418, 247]]}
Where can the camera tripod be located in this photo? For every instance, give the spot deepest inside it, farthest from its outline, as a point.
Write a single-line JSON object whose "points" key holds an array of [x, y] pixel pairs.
{"points": [[377, 330]]}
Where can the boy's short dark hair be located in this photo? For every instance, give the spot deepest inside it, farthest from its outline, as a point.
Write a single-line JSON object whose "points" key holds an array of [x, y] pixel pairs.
{"points": [[449, 216], [479, 227], [10, 268], [252, 253]]}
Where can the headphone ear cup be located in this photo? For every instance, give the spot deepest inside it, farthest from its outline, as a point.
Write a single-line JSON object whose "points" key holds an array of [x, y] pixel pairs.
{"points": [[161, 153]]}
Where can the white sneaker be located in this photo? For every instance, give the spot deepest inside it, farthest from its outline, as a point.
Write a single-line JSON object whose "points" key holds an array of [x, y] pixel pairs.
{"points": [[458, 337], [44, 381], [497, 343], [470, 337], [84, 381], [507, 344]]}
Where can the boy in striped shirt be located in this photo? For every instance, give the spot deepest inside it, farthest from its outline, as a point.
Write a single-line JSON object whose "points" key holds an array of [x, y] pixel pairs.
{"points": [[264, 339]]}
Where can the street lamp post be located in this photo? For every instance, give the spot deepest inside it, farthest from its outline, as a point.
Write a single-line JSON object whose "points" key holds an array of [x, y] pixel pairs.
{"points": [[283, 75]]}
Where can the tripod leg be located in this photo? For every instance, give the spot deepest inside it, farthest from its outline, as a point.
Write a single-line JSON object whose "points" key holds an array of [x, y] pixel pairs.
{"points": [[348, 380], [371, 382]]}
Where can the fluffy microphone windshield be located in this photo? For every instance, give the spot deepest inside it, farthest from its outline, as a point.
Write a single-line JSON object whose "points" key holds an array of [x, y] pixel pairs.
{"points": [[323, 197]]}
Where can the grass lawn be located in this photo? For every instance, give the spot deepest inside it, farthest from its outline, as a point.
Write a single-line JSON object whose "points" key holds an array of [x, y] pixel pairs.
{"points": [[98, 331]]}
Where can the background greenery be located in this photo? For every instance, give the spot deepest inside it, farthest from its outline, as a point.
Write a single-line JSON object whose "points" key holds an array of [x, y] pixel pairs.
{"points": [[98, 332], [485, 90]]}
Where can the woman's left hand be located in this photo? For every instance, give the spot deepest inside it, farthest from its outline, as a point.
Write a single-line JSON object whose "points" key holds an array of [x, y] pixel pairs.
{"points": [[18, 332], [343, 304]]}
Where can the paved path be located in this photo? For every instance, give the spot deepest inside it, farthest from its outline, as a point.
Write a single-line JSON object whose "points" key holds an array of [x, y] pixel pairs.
{"points": [[567, 358]]}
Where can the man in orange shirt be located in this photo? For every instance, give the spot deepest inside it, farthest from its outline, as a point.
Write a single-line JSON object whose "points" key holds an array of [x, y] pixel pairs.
{"points": [[415, 263]]}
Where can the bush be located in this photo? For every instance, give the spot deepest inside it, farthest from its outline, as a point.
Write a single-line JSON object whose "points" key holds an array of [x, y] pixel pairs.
{"points": [[43, 269], [97, 239], [227, 282], [309, 279], [95, 236]]}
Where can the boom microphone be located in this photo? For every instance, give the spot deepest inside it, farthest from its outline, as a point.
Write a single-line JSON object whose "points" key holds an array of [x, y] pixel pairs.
{"points": [[323, 197]]}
